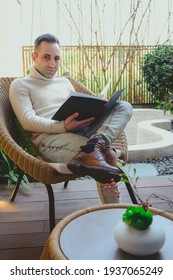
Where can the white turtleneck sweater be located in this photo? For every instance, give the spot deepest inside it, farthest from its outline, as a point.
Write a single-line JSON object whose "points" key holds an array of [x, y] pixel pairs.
{"points": [[35, 99]]}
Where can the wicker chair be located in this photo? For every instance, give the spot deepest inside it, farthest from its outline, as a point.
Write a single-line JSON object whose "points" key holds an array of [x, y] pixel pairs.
{"points": [[36, 168]]}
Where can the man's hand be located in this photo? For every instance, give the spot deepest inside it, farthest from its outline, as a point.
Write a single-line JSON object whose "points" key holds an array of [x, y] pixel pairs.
{"points": [[71, 124]]}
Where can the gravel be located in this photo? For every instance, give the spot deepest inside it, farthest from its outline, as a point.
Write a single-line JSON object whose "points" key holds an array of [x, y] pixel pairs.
{"points": [[164, 166]]}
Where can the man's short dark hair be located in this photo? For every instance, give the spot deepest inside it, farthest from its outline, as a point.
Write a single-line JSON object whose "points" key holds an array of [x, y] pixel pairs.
{"points": [[45, 37]]}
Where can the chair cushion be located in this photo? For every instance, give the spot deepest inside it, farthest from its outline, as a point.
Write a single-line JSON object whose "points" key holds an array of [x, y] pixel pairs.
{"points": [[60, 167]]}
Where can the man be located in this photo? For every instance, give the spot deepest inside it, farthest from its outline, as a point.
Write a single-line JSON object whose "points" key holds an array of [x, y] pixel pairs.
{"points": [[84, 147]]}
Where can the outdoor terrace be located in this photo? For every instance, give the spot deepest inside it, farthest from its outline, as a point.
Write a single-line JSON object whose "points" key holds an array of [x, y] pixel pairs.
{"points": [[24, 226]]}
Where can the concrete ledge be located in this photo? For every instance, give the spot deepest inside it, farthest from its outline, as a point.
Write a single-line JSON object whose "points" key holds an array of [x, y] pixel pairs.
{"points": [[140, 115], [153, 141]]}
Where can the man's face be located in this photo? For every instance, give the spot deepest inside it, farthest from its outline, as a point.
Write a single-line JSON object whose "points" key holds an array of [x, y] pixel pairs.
{"points": [[47, 58]]}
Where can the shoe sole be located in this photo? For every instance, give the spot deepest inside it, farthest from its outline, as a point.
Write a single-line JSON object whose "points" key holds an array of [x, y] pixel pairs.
{"points": [[102, 175]]}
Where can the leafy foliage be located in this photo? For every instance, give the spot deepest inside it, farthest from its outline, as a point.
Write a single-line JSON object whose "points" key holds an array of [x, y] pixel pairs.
{"points": [[9, 171], [157, 69]]}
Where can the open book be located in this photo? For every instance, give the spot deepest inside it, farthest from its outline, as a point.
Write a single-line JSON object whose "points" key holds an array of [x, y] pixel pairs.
{"points": [[86, 105]]}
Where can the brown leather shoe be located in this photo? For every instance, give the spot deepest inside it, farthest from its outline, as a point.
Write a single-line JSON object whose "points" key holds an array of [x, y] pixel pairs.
{"points": [[95, 160], [110, 156]]}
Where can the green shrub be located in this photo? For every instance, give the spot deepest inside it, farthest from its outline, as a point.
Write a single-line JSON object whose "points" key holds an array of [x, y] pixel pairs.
{"points": [[157, 70]]}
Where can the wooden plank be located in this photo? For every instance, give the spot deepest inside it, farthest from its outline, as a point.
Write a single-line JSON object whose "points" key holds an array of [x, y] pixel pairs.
{"points": [[23, 206], [21, 253], [21, 227], [38, 197], [166, 190], [39, 193], [27, 240], [62, 208]]}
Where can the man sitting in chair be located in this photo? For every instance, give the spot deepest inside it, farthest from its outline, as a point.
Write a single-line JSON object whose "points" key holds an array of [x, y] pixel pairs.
{"points": [[82, 145]]}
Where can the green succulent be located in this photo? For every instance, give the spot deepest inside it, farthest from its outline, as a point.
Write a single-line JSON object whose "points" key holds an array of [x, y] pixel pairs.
{"points": [[137, 217]]}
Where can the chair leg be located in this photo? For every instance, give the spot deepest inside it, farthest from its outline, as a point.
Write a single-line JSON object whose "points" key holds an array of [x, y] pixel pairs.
{"points": [[65, 184], [51, 206], [16, 188]]}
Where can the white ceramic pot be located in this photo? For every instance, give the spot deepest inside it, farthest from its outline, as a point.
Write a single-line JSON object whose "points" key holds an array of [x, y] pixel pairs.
{"points": [[139, 242]]}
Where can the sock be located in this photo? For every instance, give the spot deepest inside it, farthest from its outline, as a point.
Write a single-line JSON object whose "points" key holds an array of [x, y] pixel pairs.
{"points": [[101, 137]]}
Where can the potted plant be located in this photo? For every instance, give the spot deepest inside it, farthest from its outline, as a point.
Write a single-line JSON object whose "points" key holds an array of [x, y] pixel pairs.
{"points": [[138, 233]]}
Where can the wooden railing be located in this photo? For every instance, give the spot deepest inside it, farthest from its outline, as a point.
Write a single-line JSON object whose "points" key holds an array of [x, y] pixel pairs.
{"points": [[95, 65]]}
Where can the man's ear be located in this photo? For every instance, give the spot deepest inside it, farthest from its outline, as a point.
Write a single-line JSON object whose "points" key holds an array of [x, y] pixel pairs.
{"points": [[34, 56]]}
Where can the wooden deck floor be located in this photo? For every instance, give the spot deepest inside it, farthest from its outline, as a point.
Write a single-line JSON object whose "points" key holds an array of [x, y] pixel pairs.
{"points": [[24, 226]]}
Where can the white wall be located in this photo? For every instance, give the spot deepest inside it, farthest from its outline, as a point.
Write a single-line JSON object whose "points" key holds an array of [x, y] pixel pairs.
{"points": [[10, 40]]}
